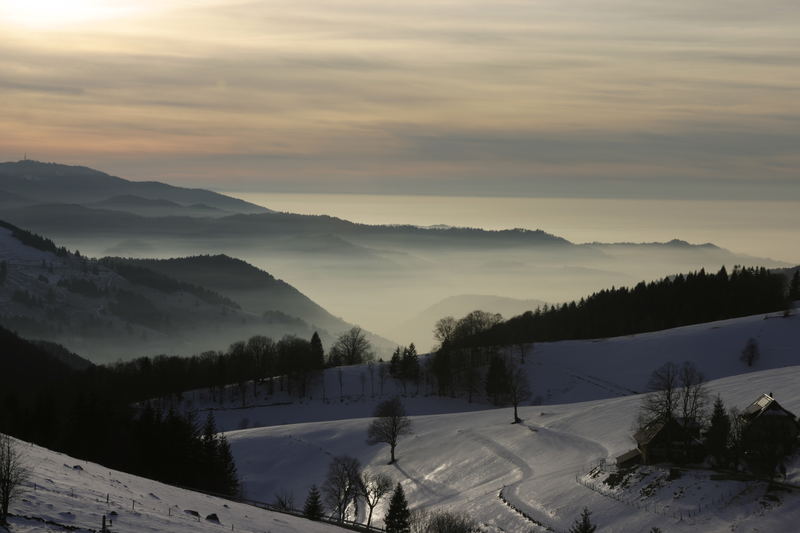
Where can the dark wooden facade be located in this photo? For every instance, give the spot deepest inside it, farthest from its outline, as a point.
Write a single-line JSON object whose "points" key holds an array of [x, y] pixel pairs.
{"points": [[668, 441], [769, 433]]}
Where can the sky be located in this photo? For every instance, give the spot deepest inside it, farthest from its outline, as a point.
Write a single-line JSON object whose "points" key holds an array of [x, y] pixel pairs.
{"points": [[549, 98]]}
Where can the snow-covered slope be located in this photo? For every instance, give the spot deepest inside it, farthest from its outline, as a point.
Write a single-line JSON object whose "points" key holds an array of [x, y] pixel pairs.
{"points": [[76, 494], [464, 460], [559, 372]]}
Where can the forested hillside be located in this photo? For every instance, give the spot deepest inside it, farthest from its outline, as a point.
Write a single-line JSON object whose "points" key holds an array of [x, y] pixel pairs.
{"points": [[667, 303]]}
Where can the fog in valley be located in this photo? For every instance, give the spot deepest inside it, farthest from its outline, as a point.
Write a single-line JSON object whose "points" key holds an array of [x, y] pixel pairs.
{"points": [[383, 278]]}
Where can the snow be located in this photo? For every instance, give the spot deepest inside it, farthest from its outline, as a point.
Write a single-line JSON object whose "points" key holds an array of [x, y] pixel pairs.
{"points": [[559, 372], [463, 461], [466, 461], [68, 492], [468, 456]]}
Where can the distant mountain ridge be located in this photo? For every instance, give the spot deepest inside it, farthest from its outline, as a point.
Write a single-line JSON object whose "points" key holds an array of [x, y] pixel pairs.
{"points": [[376, 275], [53, 182], [116, 308], [254, 289]]}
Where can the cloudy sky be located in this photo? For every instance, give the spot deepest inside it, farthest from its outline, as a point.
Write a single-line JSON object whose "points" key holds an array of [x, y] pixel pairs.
{"points": [[593, 98]]}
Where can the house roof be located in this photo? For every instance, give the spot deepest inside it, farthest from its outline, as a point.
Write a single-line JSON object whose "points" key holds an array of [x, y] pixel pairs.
{"points": [[648, 432], [763, 404], [628, 456]]}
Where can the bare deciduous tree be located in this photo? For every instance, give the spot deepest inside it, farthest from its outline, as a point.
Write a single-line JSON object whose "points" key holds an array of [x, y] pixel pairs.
{"points": [[373, 488], [284, 499], [418, 520], [476, 322], [750, 353], [444, 329], [13, 474], [661, 403], [351, 348], [693, 394], [341, 487], [423, 521], [390, 424], [518, 390]]}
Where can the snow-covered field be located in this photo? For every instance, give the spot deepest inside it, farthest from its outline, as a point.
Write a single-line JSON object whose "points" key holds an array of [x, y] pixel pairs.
{"points": [[558, 372], [69, 493], [467, 456], [465, 460]]}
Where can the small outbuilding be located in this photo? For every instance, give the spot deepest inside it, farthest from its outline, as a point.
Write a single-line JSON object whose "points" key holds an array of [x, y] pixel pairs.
{"points": [[629, 459], [668, 441]]}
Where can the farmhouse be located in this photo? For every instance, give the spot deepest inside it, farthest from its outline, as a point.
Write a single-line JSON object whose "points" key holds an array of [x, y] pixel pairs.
{"points": [[668, 441], [769, 432]]}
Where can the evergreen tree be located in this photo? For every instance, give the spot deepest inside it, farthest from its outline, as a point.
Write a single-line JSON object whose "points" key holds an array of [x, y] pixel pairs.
{"points": [[583, 524], [228, 478], [794, 286], [398, 517], [718, 433], [396, 363], [313, 507], [410, 363], [317, 352]]}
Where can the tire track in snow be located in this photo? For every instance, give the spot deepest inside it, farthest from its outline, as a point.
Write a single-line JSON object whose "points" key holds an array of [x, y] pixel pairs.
{"points": [[509, 495]]}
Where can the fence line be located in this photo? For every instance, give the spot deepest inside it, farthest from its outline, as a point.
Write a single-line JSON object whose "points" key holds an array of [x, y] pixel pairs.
{"points": [[635, 501]]}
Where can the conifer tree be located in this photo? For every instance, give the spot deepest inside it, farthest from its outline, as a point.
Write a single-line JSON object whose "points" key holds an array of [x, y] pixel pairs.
{"points": [[228, 482], [395, 364], [794, 286], [410, 362], [583, 524], [317, 352], [718, 433], [398, 517], [313, 507]]}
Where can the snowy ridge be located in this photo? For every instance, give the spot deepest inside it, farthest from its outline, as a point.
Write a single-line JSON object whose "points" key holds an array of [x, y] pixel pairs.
{"points": [[67, 494]]}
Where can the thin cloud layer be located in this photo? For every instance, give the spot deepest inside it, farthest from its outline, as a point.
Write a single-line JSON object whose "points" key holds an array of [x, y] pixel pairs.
{"points": [[590, 98]]}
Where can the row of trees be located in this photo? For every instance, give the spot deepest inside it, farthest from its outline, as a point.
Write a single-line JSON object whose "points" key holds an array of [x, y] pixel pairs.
{"points": [[295, 361], [404, 366], [166, 446], [45, 401], [670, 302]]}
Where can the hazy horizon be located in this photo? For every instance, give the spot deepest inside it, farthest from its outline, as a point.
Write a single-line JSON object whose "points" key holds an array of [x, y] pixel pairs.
{"points": [[758, 228]]}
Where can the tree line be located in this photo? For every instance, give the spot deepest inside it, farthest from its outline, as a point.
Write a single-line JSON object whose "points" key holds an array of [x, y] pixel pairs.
{"points": [[674, 301], [55, 405]]}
